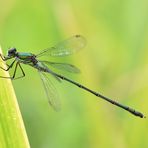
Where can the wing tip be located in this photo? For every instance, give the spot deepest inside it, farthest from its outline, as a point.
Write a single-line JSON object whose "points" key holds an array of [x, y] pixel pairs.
{"points": [[82, 40]]}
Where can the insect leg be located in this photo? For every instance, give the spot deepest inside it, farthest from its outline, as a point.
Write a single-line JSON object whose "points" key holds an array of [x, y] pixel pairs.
{"points": [[21, 71], [2, 57], [7, 69], [16, 66], [9, 66]]}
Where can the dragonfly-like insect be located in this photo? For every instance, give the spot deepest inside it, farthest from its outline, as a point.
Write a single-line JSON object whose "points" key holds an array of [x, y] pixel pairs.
{"points": [[65, 48]]}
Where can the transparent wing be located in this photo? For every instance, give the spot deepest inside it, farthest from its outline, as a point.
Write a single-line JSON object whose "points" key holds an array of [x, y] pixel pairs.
{"points": [[67, 47], [51, 92], [58, 79], [63, 66]]}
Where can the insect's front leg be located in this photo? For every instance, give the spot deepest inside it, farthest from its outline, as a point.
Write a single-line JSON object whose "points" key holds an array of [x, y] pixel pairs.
{"points": [[9, 66], [3, 57]]}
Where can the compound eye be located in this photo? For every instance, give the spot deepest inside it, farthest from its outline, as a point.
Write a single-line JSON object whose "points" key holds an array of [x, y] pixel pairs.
{"points": [[12, 51]]}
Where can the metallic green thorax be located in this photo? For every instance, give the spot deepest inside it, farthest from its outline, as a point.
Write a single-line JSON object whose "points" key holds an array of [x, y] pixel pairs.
{"points": [[25, 58], [24, 55], [30, 59]]}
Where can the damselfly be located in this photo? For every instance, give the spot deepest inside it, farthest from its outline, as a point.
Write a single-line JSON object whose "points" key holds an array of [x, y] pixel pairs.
{"points": [[64, 48]]}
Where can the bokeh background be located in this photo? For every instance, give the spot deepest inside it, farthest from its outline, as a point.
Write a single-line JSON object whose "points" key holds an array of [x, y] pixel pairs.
{"points": [[114, 62]]}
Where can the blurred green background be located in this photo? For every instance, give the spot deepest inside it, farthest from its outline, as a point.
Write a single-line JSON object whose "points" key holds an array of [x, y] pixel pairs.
{"points": [[114, 62]]}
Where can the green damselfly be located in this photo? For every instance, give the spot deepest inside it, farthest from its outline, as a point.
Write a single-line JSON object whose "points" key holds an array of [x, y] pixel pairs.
{"points": [[65, 48]]}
